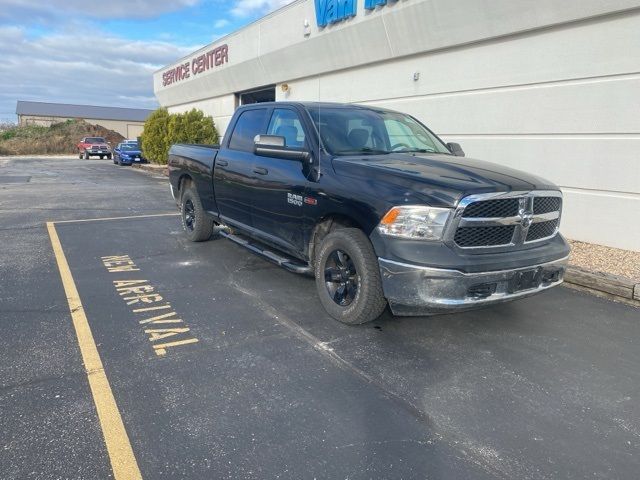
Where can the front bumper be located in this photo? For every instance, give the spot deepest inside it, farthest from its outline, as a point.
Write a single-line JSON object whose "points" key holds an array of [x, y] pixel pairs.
{"points": [[417, 290], [130, 160]]}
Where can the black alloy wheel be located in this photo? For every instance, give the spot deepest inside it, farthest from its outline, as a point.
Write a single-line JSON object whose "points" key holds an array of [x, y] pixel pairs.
{"points": [[189, 215], [197, 224], [341, 278], [348, 277]]}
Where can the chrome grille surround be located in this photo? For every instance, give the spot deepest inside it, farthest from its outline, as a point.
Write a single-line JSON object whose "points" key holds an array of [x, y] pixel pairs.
{"points": [[521, 222]]}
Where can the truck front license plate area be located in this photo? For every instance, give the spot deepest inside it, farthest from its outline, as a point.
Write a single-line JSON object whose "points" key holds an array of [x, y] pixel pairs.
{"points": [[525, 280]]}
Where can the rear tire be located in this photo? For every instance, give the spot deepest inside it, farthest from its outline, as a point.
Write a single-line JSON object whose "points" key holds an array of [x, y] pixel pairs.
{"points": [[196, 223], [348, 277]]}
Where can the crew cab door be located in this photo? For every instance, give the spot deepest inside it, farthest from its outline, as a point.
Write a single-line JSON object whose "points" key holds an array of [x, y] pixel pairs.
{"points": [[233, 171], [279, 185]]}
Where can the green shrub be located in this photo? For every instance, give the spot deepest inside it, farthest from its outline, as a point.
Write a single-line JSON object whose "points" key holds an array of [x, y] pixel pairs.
{"points": [[7, 134], [161, 130], [63, 125], [192, 127], [154, 136]]}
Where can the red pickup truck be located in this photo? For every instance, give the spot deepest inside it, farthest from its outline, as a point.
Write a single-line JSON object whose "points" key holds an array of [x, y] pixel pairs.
{"points": [[94, 147]]}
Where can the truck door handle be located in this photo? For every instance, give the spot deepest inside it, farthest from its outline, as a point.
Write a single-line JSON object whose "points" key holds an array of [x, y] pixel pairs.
{"points": [[222, 163], [260, 171]]}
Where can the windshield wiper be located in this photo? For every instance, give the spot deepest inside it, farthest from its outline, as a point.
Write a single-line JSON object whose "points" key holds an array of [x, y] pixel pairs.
{"points": [[371, 151], [415, 150]]}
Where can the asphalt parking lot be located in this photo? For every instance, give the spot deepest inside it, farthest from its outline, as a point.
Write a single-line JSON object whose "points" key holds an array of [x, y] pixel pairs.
{"points": [[222, 365]]}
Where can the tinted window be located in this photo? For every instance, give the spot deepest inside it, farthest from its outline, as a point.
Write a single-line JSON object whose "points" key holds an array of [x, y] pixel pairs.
{"points": [[247, 127], [349, 131], [286, 123]]}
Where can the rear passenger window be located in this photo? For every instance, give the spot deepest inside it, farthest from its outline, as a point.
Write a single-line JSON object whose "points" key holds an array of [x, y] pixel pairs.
{"points": [[247, 127]]}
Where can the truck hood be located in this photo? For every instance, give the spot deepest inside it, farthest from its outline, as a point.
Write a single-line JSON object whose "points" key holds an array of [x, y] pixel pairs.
{"points": [[438, 179]]}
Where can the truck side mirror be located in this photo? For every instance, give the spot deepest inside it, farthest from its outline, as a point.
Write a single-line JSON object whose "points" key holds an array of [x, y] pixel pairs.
{"points": [[456, 149], [276, 146]]}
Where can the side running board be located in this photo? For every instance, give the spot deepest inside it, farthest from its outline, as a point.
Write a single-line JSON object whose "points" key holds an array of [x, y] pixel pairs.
{"points": [[290, 264]]}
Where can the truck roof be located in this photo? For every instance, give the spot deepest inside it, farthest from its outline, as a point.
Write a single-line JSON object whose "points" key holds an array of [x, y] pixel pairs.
{"points": [[314, 105]]}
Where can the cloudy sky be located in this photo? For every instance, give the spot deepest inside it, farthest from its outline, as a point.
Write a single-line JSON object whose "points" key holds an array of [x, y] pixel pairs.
{"points": [[103, 52]]}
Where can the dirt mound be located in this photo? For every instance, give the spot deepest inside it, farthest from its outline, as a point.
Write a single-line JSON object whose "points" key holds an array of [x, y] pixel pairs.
{"points": [[59, 138]]}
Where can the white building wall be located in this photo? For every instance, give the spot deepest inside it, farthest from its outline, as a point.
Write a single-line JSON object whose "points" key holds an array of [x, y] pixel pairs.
{"points": [[552, 88]]}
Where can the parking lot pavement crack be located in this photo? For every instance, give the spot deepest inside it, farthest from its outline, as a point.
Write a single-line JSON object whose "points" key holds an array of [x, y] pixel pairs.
{"points": [[37, 381], [52, 309], [330, 354], [481, 456], [63, 209], [23, 227], [386, 442]]}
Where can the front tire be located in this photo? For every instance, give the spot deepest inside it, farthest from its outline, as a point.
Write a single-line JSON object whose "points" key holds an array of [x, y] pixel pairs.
{"points": [[86, 155], [348, 277], [196, 223]]}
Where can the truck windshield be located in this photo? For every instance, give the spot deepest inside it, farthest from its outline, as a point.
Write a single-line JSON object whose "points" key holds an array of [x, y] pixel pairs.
{"points": [[354, 131], [95, 140]]}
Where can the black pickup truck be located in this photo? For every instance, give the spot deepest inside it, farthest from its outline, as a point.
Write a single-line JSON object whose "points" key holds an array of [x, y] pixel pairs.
{"points": [[375, 206]]}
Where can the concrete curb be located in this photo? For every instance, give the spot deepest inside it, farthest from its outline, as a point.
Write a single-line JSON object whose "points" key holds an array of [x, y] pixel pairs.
{"points": [[150, 167], [613, 286]]}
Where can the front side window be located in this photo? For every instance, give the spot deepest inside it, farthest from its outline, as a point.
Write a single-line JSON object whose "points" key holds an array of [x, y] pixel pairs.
{"points": [[249, 124], [353, 131], [286, 123]]}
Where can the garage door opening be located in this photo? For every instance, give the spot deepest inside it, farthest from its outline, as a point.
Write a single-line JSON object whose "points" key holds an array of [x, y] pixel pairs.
{"points": [[265, 94]]}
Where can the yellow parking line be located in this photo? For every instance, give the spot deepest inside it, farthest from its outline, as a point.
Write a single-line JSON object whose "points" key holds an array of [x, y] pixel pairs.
{"points": [[117, 218], [123, 461]]}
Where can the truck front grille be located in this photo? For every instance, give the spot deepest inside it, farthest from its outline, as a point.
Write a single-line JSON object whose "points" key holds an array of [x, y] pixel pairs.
{"points": [[506, 220], [503, 207], [485, 236], [542, 230], [546, 204]]}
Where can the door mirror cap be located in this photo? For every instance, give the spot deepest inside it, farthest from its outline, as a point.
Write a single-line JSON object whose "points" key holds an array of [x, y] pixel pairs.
{"points": [[276, 146], [456, 149], [269, 141]]}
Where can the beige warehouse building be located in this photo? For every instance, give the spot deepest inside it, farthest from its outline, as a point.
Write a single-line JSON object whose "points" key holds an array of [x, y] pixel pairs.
{"points": [[549, 87], [128, 122]]}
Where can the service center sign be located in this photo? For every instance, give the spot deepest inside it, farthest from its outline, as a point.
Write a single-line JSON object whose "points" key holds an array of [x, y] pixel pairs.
{"points": [[208, 60]]}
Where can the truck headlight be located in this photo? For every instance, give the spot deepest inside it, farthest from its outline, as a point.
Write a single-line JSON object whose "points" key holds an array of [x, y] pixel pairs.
{"points": [[415, 222]]}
